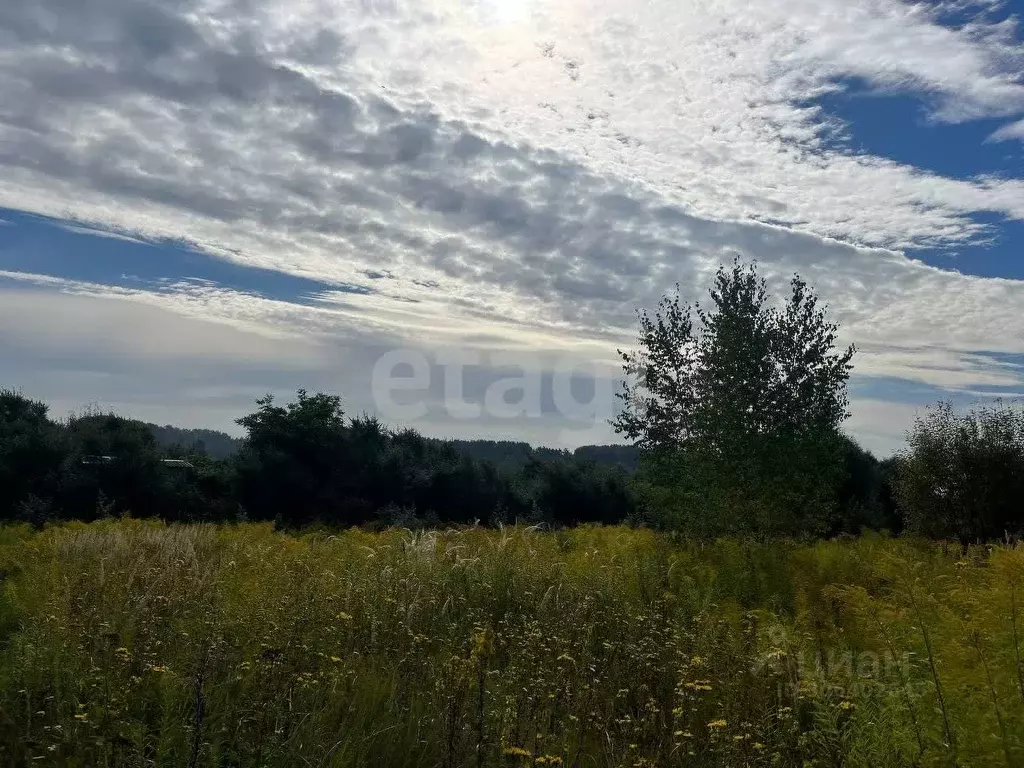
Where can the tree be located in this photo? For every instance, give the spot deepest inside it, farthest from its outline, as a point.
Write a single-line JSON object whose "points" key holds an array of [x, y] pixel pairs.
{"points": [[865, 495], [568, 491], [739, 413], [291, 462], [32, 451], [962, 475], [114, 464]]}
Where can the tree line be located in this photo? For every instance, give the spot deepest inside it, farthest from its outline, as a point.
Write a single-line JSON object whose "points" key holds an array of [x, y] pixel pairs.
{"points": [[300, 463], [734, 409]]}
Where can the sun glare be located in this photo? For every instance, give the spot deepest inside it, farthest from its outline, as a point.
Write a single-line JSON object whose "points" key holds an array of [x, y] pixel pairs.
{"points": [[504, 12]]}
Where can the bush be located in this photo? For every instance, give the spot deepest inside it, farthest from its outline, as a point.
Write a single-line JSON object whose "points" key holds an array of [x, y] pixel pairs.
{"points": [[962, 475]]}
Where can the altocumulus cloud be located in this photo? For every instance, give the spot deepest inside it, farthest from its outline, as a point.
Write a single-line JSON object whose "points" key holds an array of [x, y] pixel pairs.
{"points": [[523, 171]]}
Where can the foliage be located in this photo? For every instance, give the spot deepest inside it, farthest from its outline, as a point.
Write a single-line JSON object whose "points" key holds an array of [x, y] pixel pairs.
{"points": [[578, 492], [127, 643], [625, 456], [962, 475], [300, 463], [740, 412], [506, 455], [192, 442], [514, 456], [865, 496], [113, 466], [289, 464], [31, 451]]}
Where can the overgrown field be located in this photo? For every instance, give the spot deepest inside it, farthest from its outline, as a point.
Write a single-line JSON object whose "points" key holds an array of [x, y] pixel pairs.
{"points": [[130, 643]]}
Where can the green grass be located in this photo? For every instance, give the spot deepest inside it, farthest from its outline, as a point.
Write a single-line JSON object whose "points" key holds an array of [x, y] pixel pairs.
{"points": [[135, 644]]}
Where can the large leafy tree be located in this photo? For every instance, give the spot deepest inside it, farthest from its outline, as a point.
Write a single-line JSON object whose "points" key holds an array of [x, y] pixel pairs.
{"points": [[738, 407], [291, 463]]}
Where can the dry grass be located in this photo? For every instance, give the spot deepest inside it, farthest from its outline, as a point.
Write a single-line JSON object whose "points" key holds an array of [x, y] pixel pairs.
{"points": [[130, 643]]}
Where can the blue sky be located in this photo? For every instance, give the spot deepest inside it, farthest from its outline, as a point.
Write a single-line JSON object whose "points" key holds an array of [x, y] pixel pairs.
{"points": [[69, 250], [203, 202], [899, 127]]}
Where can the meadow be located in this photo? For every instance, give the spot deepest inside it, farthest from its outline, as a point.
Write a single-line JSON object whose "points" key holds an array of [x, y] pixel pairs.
{"points": [[130, 643]]}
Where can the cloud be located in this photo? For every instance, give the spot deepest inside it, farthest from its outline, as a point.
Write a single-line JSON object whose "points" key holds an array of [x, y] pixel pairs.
{"points": [[97, 232], [1009, 132], [525, 172], [253, 101], [712, 102], [880, 425], [83, 327], [939, 367], [75, 349], [147, 359]]}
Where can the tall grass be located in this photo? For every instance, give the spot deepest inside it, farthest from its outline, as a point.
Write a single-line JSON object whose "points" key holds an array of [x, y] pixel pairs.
{"points": [[134, 644]]}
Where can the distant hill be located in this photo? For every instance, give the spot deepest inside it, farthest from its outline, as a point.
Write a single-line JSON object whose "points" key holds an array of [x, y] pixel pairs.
{"points": [[625, 456], [216, 445], [504, 454], [507, 454]]}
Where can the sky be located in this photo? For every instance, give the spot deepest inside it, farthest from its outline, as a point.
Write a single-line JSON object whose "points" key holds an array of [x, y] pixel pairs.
{"points": [[203, 201]]}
